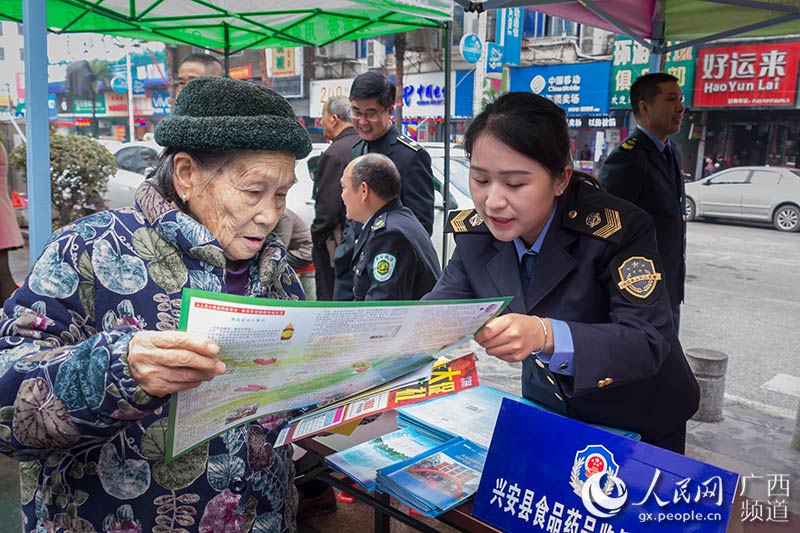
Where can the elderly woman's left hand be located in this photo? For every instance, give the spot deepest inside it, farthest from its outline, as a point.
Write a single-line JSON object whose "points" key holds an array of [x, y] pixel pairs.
{"points": [[512, 337], [163, 362]]}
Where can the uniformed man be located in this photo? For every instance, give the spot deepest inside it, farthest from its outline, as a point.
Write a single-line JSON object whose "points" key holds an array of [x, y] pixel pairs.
{"points": [[372, 99], [645, 170], [394, 258]]}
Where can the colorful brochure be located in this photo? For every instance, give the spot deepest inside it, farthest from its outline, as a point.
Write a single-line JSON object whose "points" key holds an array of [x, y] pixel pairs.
{"points": [[446, 378], [283, 355], [360, 463]]}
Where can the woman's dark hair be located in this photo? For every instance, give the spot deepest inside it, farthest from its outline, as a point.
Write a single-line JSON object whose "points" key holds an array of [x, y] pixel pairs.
{"points": [[162, 175], [531, 125]]}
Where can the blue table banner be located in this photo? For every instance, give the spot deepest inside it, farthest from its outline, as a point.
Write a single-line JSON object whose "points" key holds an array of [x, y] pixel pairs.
{"points": [[563, 475]]}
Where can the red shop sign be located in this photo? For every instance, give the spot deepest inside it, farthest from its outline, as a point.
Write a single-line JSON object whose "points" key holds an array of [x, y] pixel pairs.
{"points": [[751, 75]]}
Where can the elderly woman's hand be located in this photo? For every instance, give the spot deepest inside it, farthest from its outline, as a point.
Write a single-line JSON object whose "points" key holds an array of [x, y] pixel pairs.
{"points": [[163, 362]]}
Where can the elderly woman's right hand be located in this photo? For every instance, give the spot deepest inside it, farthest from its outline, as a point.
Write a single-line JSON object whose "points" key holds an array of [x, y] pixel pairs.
{"points": [[163, 362]]}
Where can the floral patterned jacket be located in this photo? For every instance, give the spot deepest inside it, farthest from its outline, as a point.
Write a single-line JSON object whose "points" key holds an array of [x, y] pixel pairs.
{"points": [[90, 442]]}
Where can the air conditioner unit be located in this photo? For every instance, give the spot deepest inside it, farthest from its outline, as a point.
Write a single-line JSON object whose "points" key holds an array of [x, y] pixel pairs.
{"points": [[338, 50], [321, 51], [376, 53]]}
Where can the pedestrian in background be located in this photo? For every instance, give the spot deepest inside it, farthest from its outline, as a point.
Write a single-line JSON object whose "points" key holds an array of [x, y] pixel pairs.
{"points": [[10, 235], [295, 235], [329, 213], [590, 317], [196, 66], [645, 170]]}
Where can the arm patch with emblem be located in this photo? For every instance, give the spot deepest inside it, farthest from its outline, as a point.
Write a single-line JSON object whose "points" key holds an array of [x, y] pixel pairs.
{"points": [[636, 277]]}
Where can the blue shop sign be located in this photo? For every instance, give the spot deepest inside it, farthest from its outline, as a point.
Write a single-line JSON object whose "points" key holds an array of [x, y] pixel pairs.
{"points": [[160, 102], [494, 58], [471, 47], [575, 477], [579, 88], [509, 33]]}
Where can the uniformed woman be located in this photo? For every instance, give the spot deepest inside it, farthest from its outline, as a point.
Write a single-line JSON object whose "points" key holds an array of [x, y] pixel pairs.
{"points": [[590, 319]]}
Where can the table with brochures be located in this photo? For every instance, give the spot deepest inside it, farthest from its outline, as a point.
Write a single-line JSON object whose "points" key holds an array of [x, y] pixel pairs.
{"points": [[459, 518]]}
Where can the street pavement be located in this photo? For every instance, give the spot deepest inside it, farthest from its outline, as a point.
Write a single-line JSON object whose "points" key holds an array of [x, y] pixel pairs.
{"points": [[753, 439]]}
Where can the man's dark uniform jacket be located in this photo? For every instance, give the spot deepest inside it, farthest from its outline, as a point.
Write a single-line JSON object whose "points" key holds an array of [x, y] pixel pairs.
{"points": [[636, 171], [394, 258], [600, 272], [416, 193], [328, 207]]}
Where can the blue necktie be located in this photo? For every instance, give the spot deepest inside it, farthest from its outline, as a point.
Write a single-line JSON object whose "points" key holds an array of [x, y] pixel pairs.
{"points": [[526, 269]]}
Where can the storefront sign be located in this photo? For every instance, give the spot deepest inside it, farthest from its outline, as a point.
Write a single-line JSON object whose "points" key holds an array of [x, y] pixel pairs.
{"points": [[509, 33], [494, 58], [116, 104], [471, 47], [605, 121], [576, 477], [243, 72], [285, 62], [323, 90], [82, 106], [160, 102], [579, 88], [748, 75], [631, 60]]}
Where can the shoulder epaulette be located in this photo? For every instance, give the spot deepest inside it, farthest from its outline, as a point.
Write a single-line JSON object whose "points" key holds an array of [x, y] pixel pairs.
{"points": [[411, 143], [601, 222], [629, 143], [379, 222], [465, 221]]}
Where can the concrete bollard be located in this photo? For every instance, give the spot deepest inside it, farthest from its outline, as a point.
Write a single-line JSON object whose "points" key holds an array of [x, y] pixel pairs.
{"points": [[796, 435], [709, 367]]}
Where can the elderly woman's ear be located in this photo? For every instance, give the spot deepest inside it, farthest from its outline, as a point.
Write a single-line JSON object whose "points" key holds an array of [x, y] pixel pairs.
{"points": [[185, 176]]}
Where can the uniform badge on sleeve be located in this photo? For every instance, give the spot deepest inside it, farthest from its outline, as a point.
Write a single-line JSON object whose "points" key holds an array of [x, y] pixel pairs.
{"points": [[383, 267], [638, 276]]}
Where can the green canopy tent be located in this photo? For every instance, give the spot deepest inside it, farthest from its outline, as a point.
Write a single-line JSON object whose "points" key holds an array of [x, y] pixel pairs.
{"points": [[222, 25]]}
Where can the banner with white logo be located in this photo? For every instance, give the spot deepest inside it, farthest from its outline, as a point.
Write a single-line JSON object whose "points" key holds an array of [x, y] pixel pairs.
{"points": [[563, 475]]}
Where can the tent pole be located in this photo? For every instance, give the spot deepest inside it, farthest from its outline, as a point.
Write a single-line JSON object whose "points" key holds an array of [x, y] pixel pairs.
{"points": [[226, 29], [448, 66], [34, 17]]}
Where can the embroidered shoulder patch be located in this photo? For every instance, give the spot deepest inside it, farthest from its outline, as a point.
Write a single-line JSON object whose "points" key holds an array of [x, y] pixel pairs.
{"points": [[629, 143], [603, 223], [408, 141], [465, 221], [383, 267], [638, 277], [379, 222]]}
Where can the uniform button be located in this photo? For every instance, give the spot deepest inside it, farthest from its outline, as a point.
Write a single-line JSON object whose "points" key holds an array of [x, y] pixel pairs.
{"points": [[551, 380], [237, 485], [604, 382], [538, 362], [563, 366], [572, 214]]}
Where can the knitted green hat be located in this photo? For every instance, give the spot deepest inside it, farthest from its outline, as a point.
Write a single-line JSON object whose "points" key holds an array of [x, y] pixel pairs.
{"points": [[218, 114]]}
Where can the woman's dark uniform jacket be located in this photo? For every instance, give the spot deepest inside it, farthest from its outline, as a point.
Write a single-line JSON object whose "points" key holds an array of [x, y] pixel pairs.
{"points": [[599, 271]]}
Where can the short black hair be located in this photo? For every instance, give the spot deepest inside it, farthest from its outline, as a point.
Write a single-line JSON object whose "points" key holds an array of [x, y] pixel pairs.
{"points": [[205, 59], [379, 173], [373, 85], [646, 88]]}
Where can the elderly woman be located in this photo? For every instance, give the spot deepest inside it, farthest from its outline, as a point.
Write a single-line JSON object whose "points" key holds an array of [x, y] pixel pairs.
{"points": [[89, 355]]}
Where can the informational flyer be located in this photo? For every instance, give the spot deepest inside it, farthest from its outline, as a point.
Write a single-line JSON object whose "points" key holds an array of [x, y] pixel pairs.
{"points": [[282, 355]]}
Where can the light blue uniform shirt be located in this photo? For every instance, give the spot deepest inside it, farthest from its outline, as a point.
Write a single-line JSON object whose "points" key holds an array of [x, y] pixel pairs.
{"points": [[563, 347]]}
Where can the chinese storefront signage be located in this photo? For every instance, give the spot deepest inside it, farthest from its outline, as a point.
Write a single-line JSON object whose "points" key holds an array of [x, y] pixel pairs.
{"points": [[579, 88], [748, 75], [285, 61], [581, 478], [631, 60], [593, 122], [509, 33], [323, 90], [243, 72]]}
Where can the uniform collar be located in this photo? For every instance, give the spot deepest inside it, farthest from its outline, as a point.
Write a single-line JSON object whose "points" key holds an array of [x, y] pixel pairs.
{"points": [[658, 142], [388, 206], [537, 246]]}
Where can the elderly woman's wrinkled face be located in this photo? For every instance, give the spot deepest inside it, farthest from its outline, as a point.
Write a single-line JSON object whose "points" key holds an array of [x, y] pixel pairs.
{"points": [[240, 203]]}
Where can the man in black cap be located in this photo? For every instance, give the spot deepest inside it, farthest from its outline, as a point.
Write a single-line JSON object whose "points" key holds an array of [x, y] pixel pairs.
{"points": [[394, 258], [372, 99]]}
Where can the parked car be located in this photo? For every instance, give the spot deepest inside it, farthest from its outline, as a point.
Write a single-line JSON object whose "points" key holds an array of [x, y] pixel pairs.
{"points": [[768, 194]]}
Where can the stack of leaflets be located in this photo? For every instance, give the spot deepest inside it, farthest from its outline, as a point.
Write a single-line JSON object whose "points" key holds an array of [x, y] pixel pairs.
{"points": [[470, 414], [360, 463], [438, 480]]}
